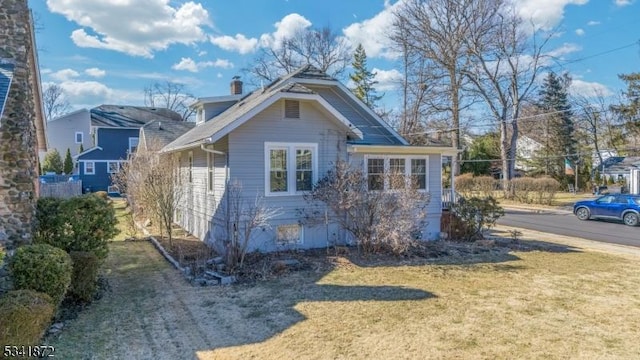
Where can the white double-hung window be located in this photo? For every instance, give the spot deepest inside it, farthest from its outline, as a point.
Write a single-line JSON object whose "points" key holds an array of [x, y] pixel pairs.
{"points": [[290, 168], [396, 172]]}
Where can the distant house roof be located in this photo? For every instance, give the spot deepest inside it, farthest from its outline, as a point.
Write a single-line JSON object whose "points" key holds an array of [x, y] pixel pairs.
{"points": [[253, 100], [6, 76], [163, 132], [621, 165], [129, 116]]}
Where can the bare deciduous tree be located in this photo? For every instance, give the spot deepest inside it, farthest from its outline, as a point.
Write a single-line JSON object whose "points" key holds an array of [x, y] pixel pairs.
{"points": [[150, 181], [507, 58], [432, 36], [170, 95], [322, 48], [378, 220], [54, 102]]}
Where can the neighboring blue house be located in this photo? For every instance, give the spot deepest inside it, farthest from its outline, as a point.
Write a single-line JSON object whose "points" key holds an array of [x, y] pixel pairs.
{"points": [[115, 130], [277, 142]]}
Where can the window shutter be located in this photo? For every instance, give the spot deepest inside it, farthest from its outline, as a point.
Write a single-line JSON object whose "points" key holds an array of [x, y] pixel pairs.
{"points": [[292, 109]]}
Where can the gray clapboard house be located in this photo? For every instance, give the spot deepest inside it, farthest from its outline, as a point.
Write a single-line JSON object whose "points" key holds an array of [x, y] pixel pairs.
{"points": [[277, 142]]}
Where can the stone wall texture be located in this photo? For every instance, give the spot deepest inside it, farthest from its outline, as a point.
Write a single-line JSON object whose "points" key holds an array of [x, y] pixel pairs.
{"points": [[18, 142]]}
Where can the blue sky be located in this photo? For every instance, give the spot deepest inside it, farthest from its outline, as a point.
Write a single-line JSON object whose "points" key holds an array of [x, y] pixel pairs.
{"points": [[107, 51]]}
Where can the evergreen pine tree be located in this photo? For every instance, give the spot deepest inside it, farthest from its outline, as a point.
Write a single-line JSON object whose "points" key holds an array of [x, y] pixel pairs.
{"points": [[363, 79], [559, 141], [81, 149], [68, 163], [52, 162]]}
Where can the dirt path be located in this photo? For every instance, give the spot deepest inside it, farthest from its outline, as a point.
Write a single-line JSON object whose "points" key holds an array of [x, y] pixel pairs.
{"points": [[149, 313]]}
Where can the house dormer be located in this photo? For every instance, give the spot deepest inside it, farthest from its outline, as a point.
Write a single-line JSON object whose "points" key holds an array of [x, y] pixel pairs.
{"points": [[209, 107]]}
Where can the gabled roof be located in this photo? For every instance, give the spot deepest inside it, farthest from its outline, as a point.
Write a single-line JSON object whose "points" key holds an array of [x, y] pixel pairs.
{"points": [[129, 116], [292, 85], [6, 76], [163, 132]]}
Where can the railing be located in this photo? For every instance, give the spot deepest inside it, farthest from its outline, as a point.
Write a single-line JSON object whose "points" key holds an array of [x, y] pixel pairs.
{"points": [[449, 196], [63, 190]]}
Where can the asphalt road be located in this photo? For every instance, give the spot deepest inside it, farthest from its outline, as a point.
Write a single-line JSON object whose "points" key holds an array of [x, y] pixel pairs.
{"points": [[568, 225]]}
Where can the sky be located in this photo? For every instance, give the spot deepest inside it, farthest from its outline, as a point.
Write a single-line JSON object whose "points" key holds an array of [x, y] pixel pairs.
{"points": [[108, 51]]}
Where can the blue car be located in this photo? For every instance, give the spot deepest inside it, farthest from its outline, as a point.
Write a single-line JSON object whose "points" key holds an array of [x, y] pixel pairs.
{"points": [[623, 207]]}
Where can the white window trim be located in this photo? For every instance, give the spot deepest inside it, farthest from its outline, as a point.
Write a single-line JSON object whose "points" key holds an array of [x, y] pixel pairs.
{"points": [[111, 187], [93, 167], [109, 167], [75, 137], [407, 168], [137, 143], [298, 242], [291, 166]]}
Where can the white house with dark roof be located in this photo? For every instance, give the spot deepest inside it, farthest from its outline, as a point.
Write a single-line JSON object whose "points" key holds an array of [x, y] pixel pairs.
{"points": [[277, 142]]}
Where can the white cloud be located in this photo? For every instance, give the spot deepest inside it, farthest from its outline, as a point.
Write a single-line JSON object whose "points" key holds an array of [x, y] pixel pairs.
{"points": [[580, 32], [285, 29], [186, 64], [65, 74], [623, 2], [589, 89], [202, 53], [373, 33], [137, 28], [387, 79], [189, 64], [593, 23], [544, 13], [95, 72], [239, 43], [565, 49], [219, 75], [88, 94]]}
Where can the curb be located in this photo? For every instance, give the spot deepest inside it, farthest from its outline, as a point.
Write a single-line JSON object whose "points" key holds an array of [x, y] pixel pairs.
{"points": [[558, 211]]}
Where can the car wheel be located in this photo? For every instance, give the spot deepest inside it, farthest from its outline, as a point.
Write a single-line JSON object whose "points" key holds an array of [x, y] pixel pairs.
{"points": [[583, 213], [631, 219]]}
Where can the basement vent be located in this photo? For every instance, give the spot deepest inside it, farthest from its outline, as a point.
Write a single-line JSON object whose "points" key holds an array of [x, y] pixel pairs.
{"points": [[292, 109]]}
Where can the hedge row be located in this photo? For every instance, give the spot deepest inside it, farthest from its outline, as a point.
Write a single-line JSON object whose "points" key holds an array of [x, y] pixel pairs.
{"points": [[526, 190]]}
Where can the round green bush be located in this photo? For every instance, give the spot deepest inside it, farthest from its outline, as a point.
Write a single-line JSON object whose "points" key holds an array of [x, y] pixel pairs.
{"points": [[42, 268], [85, 275], [25, 316]]}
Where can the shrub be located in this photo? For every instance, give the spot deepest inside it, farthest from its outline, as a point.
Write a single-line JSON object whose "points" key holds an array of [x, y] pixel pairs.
{"points": [[42, 268], [83, 223], [378, 220], [485, 185], [25, 316], [477, 214], [102, 195], [85, 275], [464, 184]]}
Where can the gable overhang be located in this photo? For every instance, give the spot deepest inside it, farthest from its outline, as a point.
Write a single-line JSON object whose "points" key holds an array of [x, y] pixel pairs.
{"points": [[402, 150], [77, 156], [350, 94], [279, 96]]}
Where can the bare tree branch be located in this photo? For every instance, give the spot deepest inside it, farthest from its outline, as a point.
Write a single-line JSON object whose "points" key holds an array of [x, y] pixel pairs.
{"points": [[170, 95], [54, 101]]}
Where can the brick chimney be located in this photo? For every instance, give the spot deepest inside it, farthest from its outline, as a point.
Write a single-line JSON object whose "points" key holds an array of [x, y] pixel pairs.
{"points": [[236, 86]]}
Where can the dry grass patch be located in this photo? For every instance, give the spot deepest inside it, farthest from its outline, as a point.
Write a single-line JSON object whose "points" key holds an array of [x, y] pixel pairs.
{"points": [[530, 305]]}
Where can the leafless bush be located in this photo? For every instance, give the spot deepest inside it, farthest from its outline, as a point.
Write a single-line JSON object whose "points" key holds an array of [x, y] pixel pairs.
{"points": [[378, 220], [150, 182], [244, 218], [465, 184]]}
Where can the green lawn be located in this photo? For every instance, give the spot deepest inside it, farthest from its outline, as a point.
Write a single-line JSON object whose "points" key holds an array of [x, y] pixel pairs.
{"points": [[531, 305]]}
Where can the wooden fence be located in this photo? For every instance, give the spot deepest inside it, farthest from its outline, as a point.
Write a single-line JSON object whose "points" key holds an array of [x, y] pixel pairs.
{"points": [[63, 190]]}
